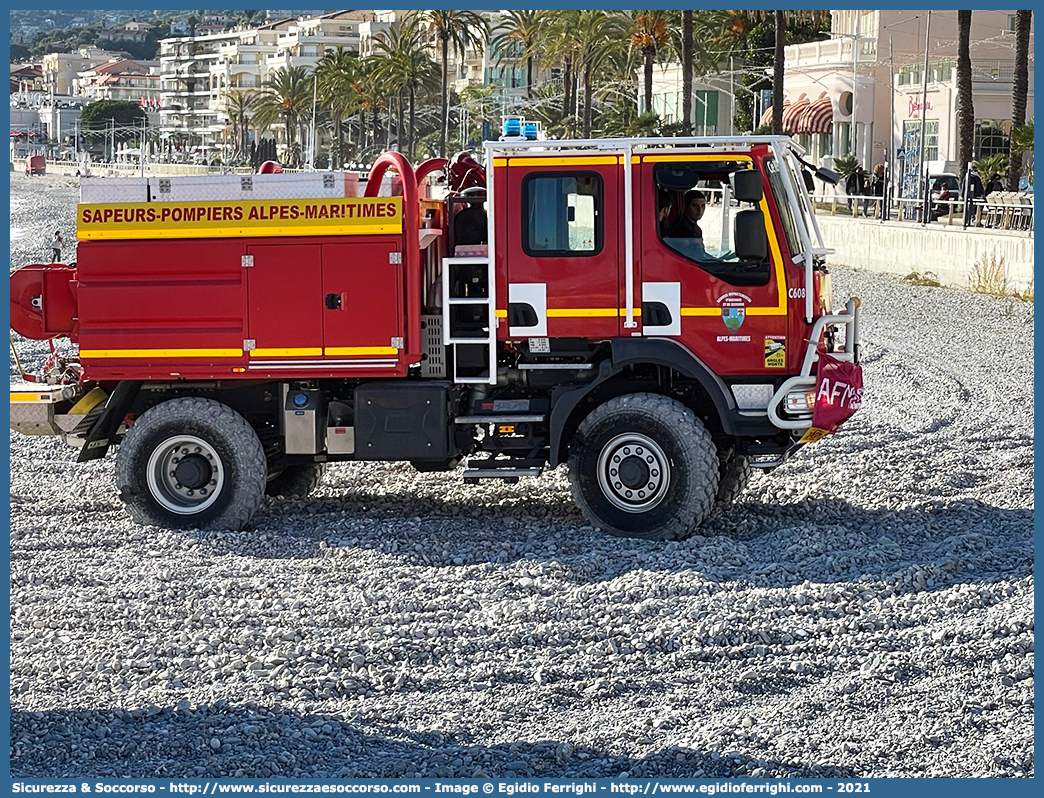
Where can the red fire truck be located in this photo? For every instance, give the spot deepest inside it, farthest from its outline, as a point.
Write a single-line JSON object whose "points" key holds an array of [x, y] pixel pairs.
{"points": [[648, 312]]}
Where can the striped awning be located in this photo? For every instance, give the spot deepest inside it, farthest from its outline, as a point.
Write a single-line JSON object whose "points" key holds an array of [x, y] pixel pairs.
{"points": [[818, 117], [766, 118], [792, 114]]}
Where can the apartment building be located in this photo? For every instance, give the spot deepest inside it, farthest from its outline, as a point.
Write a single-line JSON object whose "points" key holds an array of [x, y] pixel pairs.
{"points": [[197, 72], [121, 79], [305, 42]]}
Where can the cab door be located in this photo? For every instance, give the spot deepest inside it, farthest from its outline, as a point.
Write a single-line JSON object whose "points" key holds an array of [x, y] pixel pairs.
{"points": [[563, 256], [707, 295]]}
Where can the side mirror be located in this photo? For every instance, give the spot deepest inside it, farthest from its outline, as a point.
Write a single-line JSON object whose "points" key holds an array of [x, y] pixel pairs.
{"points": [[746, 185], [751, 240], [828, 175]]}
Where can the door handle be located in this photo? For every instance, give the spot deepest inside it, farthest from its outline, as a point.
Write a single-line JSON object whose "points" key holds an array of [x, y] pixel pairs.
{"points": [[333, 301]]}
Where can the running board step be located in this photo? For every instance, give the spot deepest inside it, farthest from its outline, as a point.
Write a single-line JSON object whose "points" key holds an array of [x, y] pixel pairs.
{"points": [[558, 366], [502, 419], [765, 460], [510, 474]]}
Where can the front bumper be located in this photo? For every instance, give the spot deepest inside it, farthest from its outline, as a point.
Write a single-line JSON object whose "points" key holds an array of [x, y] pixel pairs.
{"points": [[806, 381]]}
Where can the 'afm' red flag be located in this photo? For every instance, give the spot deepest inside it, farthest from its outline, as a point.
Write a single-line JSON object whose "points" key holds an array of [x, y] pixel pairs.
{"points": [[839, 394]]}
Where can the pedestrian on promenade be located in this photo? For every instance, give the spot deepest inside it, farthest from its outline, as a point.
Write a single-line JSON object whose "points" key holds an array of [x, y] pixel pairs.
{"points": [[56, 246], [875, 190], [976, 192], [854, 187]]}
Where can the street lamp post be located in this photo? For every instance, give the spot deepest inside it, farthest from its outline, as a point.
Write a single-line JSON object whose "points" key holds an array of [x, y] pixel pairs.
{"points": [[923, 175]]}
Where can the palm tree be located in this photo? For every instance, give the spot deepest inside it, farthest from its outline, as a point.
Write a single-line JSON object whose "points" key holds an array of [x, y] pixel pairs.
{"points": [[286, 95], [238, 106], [965, 108], [649, 36], [563, 46], [600, 40], [687, 67], [453, 29], [337, 72], [407, 67], [516, 39], [779, 59], [1019, 91], [370, 89], [1022, 138]]}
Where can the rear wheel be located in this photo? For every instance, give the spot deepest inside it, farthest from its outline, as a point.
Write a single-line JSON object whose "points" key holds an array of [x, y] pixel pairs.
{"points": [[643, 465], [191, 463], [295, 481]]}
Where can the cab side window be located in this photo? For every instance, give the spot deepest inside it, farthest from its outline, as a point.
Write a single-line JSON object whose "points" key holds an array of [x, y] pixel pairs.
{"points": [[562, 214]]}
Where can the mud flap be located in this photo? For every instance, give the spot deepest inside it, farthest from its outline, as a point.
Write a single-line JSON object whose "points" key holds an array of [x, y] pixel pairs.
{"points": [[103, 433]]}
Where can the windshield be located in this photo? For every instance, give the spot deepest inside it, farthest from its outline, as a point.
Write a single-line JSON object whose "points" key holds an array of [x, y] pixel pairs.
{"points": [[786, 211]]}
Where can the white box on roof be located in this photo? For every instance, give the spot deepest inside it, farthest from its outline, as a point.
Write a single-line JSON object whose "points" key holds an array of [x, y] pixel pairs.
{"points": [[97, 190], [209, 188]]}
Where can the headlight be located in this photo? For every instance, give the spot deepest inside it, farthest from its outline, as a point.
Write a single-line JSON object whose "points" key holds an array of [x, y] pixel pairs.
{"points": [[802, 401], [826, 293]]}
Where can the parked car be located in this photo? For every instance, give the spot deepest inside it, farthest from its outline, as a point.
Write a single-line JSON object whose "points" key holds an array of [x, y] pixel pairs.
{"points": [[944, 181]]}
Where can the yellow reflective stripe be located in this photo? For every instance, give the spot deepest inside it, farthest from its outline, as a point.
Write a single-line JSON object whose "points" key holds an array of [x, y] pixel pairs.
{"points": [[591, 160], [361, 350], [137, 353], [304, 351], [501, 314], [204, 232], [500, 161], [701, 311], [567, 313], [30, 397]]}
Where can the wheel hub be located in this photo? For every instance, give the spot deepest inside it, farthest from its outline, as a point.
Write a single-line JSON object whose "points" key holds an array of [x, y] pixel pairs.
{"points": [[633, 472], [193, 471], [185, 475]]}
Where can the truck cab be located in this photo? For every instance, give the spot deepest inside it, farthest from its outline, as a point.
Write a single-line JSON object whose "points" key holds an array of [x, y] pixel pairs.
{"points": [[648, 313]]}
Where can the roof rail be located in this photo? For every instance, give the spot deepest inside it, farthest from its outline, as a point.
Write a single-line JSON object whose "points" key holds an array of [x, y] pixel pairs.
{"points": [[737, 142]]}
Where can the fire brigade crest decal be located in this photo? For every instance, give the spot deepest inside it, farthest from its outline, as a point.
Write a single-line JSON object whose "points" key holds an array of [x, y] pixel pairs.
{"points": [[733, 312], [733, 317]]}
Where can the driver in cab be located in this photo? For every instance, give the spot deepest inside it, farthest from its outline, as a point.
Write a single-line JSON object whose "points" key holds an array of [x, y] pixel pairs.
{"points": [[686, 225]]}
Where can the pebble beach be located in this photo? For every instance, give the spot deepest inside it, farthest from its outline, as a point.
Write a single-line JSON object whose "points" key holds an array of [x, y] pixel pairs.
{"points": [[863, 611]]}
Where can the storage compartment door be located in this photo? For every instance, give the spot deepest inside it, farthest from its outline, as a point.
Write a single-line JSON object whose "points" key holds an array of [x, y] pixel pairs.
{"points": [[362, 302], [284, 286]]}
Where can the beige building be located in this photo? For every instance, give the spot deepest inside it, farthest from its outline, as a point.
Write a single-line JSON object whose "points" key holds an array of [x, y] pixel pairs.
{"points": [[867, 83], [60, 70]]}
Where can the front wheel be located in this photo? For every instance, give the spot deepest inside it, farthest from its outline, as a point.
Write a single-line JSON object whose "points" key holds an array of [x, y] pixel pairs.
{"points": [[642, 465], [191, 463]]}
